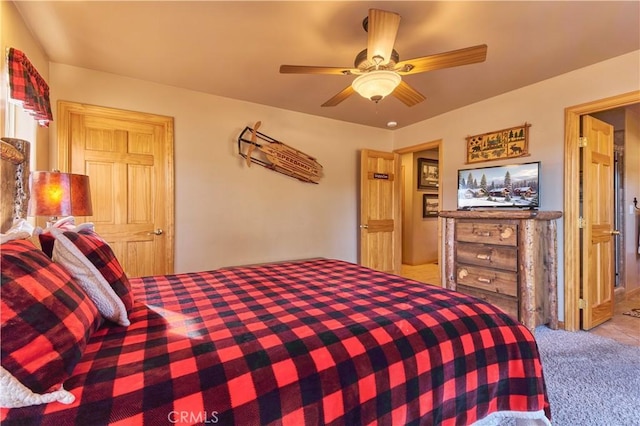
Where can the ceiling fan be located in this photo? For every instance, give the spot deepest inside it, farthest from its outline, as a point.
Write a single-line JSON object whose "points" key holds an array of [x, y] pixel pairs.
{"points": [[379, 68]]}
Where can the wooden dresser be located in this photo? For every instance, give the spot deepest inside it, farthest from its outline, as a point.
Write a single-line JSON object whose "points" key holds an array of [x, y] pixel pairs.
{"points": [[507, 258]]}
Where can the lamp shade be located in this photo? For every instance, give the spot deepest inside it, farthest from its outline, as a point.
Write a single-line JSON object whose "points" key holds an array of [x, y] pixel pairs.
{"points": [[375, 85], [59, 194]]}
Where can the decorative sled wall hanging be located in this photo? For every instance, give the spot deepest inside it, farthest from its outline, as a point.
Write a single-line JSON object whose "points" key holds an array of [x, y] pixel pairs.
{"points": [[498, 145], [264, 150]]}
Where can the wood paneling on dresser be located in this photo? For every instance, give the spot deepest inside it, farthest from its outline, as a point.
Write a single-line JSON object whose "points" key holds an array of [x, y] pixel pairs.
{"points": [[507, 258]]}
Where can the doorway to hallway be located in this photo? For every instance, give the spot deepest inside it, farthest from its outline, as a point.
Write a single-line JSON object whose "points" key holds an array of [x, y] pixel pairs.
{"points": [[573, 273], [421, 230]]}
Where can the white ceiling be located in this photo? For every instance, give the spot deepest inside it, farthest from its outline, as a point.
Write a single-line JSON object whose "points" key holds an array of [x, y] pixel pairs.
{"points": [[234, 48]]}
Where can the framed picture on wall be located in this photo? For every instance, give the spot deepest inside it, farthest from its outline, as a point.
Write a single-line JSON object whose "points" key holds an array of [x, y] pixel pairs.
{"points": [[498, 145], [428, 173], [429, 205]]}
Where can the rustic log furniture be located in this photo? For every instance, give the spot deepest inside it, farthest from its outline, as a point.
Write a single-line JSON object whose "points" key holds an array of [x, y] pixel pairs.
{"points": [[507, 258]]}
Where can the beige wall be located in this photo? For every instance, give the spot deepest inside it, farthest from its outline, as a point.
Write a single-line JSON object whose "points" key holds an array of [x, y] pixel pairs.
{"points": [[226, 212], [13, 33], [408, 170], [419, 235], [541, 104]]}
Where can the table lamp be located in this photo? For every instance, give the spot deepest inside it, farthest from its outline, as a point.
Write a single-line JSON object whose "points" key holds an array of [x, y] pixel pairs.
{"points": [[55, 194]]}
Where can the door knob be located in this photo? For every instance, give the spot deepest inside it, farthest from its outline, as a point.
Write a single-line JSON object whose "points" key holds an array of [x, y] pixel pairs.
{"points": [[615, 232], [156, 232], [364, 226]]}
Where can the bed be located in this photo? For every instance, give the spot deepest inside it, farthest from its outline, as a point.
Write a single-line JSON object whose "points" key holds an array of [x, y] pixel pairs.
{"points": [[317, 341]]}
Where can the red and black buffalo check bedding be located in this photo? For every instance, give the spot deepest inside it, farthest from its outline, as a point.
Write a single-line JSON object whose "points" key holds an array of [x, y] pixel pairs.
{"points": [[309, 342]]}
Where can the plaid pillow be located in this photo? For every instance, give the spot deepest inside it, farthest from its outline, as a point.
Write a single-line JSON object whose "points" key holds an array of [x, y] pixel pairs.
{"points": [[67, 223], [90, 260], [46, 322], [46, 242]]}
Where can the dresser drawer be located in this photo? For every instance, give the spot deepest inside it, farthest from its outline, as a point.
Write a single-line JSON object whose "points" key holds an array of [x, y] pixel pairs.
{"points": [[488, 256], [503, 234], [506, 303], [491, 280]]}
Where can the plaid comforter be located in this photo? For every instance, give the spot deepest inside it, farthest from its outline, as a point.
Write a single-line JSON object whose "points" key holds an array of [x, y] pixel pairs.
{"points": [[309, 342]]}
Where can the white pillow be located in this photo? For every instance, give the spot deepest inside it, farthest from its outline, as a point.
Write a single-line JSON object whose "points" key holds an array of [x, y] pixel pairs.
{"points": [[98, 289], [20, 230], [14, 394], [65, 223], [5, 238]]}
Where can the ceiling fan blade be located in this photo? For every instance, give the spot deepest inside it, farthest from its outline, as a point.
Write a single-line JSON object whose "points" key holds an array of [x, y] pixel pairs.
{"points": [[344, 94], [454, 58], [407, 94], [382, 29], [303, 69]]}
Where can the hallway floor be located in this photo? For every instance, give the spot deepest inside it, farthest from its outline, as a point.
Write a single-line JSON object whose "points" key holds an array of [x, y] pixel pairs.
{"points": [[428, 273], [622, 328]]}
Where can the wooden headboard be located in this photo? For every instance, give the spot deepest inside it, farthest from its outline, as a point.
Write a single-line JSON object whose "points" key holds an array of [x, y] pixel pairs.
{"points": [[14, 189]]}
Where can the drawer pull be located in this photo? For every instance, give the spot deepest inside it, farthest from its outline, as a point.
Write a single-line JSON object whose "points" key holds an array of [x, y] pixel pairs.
{"points": [[462, 273], [506, 233], [483, 256], [484, 280], [482, 234]]}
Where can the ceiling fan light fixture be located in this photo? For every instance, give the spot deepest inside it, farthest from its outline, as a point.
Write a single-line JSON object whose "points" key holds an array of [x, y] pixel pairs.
{"points": [[375, 85]]}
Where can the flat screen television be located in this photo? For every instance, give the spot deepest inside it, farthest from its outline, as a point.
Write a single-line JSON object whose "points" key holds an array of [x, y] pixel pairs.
{"points": [[508, 186]]}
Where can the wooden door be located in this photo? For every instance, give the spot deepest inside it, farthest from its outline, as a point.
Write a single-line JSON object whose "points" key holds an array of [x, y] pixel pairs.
{"points": [[380, 211], [128, 157], [597, 212]]}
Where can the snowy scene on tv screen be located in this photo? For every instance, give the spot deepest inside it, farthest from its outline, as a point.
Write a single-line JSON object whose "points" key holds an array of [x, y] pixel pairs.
{"points": [[502, 186]]}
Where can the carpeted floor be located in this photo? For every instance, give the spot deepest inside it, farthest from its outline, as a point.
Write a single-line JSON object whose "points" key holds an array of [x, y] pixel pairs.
{"points": [[590, 380]]}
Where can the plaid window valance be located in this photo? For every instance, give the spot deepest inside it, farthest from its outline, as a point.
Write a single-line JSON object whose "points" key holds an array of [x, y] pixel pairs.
{"points": [[28, 87]]}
